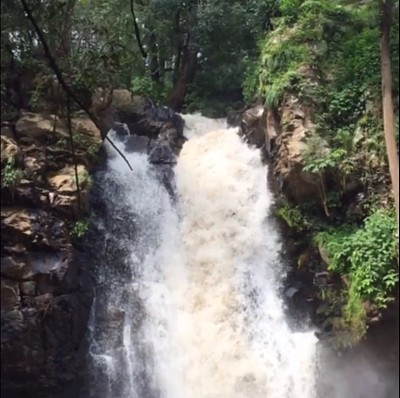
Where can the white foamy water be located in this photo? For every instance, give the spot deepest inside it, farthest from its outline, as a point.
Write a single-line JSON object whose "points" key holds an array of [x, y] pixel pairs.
{"points": [[202, 317]]}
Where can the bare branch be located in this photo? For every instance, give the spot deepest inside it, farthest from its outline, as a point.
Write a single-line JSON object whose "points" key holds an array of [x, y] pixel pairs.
{"points": [[103, 129], [137, 32], [72, 145]]}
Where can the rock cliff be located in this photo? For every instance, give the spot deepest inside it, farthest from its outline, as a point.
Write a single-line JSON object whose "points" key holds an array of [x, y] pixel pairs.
{"points": [[46, 293]]}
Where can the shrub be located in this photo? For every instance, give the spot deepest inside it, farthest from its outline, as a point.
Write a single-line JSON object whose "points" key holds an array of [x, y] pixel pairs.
{"points": [[11, 175], [80, 229], [367, 257]]}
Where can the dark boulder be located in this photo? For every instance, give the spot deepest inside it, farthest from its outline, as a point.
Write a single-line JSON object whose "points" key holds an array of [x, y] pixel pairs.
{"points": [[160, 152], [252, 128], [234, 118], [142, 116], [136, 144]]}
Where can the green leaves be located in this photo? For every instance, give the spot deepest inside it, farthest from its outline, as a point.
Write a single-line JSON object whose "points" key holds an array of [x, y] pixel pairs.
{"points": [[80, 229], [11, 175], [294, 218], [367, 255]]}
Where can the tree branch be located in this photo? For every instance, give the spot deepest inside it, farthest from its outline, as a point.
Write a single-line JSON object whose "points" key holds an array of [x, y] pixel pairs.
{"points": [[72, 145], [137, 32], [103, 129]]}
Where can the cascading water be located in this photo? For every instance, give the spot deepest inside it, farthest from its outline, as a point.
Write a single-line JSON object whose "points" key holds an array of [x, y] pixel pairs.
{"points": [[187, 304]]}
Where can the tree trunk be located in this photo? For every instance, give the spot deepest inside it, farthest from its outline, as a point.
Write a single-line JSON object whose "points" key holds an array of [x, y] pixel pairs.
{"points": [[66, 29], [178, 56], [186, 77], [137, 32], [153, 54], [388, 114]]}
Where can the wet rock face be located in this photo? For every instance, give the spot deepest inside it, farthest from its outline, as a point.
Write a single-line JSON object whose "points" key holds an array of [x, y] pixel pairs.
{"points": [[44, 303], [147, 128], [257, 127], [141, 116], [45, 296], [282, 135], [251, 126]]}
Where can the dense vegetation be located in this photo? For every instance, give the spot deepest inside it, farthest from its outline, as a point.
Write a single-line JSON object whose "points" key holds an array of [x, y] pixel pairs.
{"points": [[327, 54], [214, 55], [162, 48]]}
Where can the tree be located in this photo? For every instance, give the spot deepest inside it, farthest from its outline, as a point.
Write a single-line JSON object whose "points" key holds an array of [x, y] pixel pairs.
{"points": [[388, 114]]}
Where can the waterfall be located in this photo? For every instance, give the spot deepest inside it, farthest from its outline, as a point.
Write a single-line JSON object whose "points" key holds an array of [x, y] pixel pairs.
{"points": [[187, 303]]}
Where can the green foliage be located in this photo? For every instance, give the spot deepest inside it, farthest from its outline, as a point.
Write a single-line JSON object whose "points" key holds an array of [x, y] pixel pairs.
{"points": [[149, 88], [357, 60], [352, 327], [318, 158], [80, 229], [340, 44], [294, 218], [290, 10], [346, 106], [367, 255], [85, 180], [279, 71], [81, 142], [251, 80], [307, 32], [326, 54], [11, 174]]}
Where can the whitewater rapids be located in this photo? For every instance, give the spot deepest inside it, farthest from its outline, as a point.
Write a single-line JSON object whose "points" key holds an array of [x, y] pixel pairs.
{"points": [[206, 273]]}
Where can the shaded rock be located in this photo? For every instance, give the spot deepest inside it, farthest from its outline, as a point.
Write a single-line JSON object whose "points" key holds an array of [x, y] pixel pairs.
{"points": [[160, 152], [15, 267], [271, 123], [10, 296], [9, 150], [28, 288], [35, 229], [166, 176], [45, 297], [296, 123], [27, 193], [234, 118], [137, 144], [46, 293], [33, 166], [7, 131], [42, 333], [63, 184], [121, 130], [252, 127], [142, 116], [40, 344], [258, 126], [64, 180], [81, 124], [39, 126], [291, 292]]}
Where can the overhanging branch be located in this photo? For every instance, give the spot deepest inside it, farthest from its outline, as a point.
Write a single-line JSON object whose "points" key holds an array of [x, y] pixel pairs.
{"points": [[137, 32], [53, 64]]}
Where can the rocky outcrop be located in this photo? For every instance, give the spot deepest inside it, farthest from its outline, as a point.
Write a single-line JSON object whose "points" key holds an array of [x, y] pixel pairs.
{"points": [[147, 128], [289, 148], [282, 135], [142, 116], [45, 293], [252, 127], [45, 301]]}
